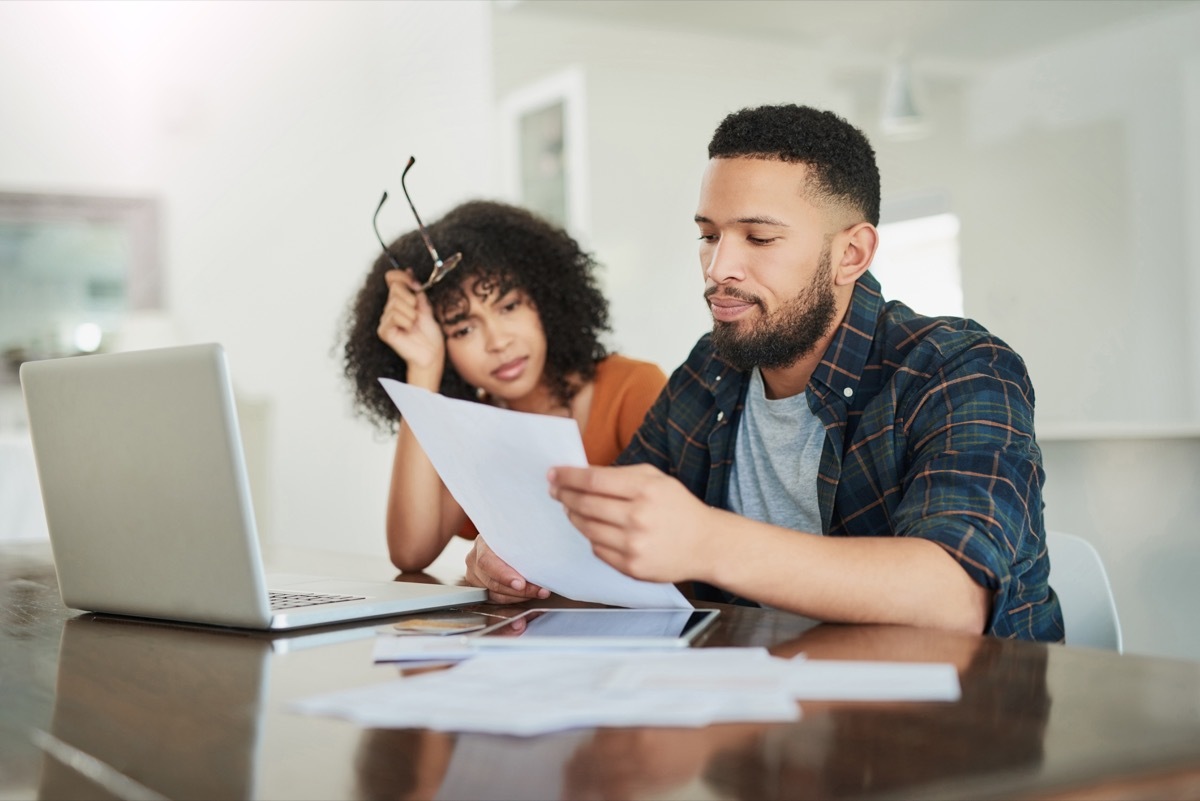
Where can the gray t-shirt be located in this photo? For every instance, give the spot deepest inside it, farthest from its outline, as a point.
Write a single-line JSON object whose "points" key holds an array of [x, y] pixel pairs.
{"points": [[776, 461]]}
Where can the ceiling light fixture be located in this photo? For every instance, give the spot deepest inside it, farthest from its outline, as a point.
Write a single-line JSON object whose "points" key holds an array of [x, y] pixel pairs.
{"points": [[902, 116]]}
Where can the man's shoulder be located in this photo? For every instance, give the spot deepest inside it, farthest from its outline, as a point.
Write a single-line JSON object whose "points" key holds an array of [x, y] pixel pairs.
{"points": [[701, 374], [701, 363], [915, 340], [703, 349]]}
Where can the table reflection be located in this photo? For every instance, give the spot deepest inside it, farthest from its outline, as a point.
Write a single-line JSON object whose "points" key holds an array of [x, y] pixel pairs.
{"points": [[402, 763], [835, 750], [851, 749], [423, 764], [147, 710]]}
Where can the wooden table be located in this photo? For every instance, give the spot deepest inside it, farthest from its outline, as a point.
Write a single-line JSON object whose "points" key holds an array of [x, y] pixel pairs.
{"points": [[101, 707]]}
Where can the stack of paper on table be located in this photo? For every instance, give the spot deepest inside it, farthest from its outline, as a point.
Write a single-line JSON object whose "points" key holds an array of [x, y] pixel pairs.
{"points": [[529, 694]]}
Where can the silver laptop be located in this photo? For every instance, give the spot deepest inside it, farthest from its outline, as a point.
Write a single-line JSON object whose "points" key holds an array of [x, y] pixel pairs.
{"points": [[148, 504]]}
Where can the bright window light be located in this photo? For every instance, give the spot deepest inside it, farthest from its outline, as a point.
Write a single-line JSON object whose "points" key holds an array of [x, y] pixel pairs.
{"points": [[917, 263], [87, 337]]}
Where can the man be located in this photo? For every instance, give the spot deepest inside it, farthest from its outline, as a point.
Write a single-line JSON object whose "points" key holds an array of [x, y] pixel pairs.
{"points": [[822, 451]]}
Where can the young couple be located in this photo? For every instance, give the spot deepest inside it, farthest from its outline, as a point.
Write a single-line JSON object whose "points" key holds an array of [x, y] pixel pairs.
{"points": [[822, 450]]}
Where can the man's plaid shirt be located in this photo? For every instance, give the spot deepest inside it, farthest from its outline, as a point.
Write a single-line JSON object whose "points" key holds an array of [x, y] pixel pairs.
{"points": [[928, 433]]}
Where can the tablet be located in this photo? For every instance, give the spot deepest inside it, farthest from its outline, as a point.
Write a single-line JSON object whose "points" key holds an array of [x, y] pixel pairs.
{"points": [[597, 628]]}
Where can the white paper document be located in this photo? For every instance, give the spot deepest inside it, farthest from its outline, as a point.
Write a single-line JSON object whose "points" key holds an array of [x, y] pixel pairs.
{"points": [[530, 694], [527, 694], [494, 462], [841, 680]]}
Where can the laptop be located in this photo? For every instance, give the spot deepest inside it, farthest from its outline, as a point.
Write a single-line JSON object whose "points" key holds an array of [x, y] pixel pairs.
{"points": [[148, 505]]}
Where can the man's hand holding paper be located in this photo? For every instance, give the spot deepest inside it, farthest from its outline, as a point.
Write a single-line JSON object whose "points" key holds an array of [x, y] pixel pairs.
{"points": [[638, 519]]}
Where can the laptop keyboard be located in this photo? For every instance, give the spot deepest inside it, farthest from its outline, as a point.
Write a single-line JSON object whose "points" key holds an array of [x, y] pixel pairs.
{"points": [[291, 600]]}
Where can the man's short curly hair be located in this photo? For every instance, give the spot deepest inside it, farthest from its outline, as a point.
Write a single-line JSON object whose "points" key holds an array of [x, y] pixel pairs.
{"points": [[840, 160], [503, 248]]}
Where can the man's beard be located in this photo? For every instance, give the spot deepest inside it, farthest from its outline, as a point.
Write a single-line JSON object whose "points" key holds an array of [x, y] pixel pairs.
{"points": [[783, 337]]}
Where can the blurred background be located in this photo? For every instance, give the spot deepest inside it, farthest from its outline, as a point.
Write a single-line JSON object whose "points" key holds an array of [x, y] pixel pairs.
{"points": [[188, 171]]}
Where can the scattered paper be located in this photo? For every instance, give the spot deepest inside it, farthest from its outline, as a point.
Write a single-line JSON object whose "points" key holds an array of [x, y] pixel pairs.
{"points": [[529, 694], [838, 680], [494, 462]]}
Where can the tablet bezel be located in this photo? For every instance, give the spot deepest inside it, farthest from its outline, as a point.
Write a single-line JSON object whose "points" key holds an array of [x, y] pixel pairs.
{"points": [[700, 622]]}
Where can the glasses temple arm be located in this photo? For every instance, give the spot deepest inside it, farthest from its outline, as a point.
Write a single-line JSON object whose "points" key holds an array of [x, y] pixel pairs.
{"points": [[375, 226], [437, 260]]}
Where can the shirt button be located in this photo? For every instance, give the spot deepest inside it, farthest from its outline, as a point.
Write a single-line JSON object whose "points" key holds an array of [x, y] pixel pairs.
{"points": [[848, 392], [720, 416], [718, 378]]}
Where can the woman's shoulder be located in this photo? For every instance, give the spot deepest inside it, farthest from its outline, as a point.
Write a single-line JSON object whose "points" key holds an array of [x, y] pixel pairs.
{"points": [[622, 369], [623, 391]]}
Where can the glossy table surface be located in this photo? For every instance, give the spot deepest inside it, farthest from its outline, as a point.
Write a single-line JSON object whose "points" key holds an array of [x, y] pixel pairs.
{"points": [[96, 707]]}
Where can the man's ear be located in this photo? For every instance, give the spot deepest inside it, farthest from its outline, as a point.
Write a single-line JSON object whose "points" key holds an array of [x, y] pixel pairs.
{"points": [[858, 245]]}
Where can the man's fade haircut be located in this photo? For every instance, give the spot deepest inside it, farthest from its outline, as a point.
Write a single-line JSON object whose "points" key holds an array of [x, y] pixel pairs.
{"points": [[840, 160], [504, 247]]}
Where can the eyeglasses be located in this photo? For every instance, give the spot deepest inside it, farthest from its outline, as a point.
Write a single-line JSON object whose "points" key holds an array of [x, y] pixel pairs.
{"points": [[440, 268]]}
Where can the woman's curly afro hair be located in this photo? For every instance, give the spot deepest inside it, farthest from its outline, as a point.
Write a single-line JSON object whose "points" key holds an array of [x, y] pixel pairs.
{"points": [[503, 248]]}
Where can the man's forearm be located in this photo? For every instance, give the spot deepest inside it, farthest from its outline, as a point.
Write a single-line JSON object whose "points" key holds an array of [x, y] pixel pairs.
{"points": [[842, 579]]}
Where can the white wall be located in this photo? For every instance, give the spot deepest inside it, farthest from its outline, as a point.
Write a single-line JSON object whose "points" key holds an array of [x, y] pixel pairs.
{"points": [[653, 100], [269, 131], [1084, 214], [1134, 498]]}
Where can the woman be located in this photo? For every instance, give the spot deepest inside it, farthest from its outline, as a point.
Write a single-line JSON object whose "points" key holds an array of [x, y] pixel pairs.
{"points": [[516, 324]]}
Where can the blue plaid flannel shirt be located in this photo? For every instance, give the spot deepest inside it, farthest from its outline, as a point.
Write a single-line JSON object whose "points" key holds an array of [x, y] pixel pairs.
{"points": [[928, 433]]}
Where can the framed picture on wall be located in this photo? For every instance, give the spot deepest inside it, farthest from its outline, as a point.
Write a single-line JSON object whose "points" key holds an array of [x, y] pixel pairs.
{"points": [[72, 269], [544, 152]]}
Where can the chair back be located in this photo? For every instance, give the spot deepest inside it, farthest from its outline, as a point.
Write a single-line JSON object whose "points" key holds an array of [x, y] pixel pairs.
{"points": [[1078, 576]]}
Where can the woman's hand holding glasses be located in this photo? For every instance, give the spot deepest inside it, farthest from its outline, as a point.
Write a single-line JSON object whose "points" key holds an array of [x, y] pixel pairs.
{"points": [[407, 324], [408, 327]]}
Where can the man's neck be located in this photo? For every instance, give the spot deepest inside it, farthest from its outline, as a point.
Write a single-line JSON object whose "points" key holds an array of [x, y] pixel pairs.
{"points": [[784, 382]]}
